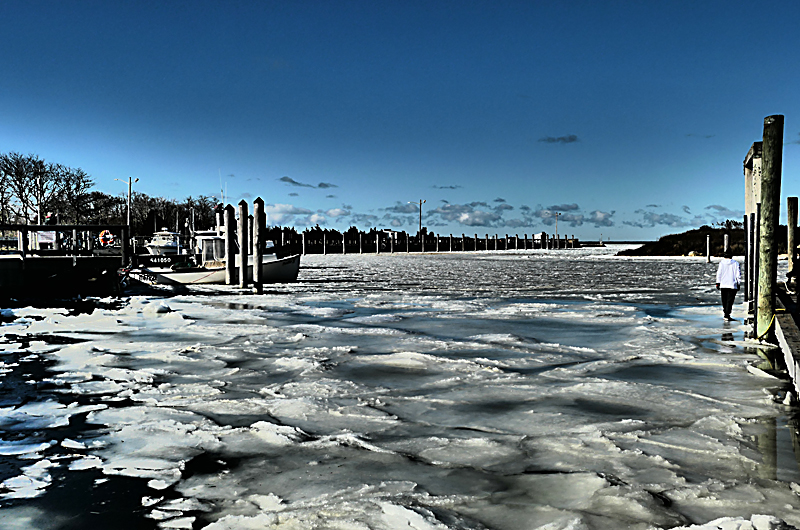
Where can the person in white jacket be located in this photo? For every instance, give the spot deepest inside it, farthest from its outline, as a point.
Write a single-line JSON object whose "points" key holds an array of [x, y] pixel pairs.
{"points": [[729, 276]]}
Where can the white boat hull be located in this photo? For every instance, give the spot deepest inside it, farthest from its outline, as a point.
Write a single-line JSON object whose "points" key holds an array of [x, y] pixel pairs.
{"points": [[272, 271]]}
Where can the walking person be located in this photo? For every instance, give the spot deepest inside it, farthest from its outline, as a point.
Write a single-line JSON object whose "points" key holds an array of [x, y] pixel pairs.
{"points": [[729, 275]]}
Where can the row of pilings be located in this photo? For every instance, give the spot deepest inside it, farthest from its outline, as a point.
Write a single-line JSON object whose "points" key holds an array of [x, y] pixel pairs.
{"points": [[377, 242], [353, 241]]}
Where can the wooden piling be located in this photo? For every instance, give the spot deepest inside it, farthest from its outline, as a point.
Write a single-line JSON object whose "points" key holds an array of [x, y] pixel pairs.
{"points": [[250, 233], [791, 236], [747, 243], [303, 239], [243, 239], [726, 245], [708, 248], [772, 161], [259, 230], [324, 244], [230, 262]]}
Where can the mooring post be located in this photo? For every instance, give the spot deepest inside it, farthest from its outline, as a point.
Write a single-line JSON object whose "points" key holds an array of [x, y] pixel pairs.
{"points": [[360, 242], [230, 255], [324, 244], [250, 233], [791, 236], [756, 250], [391, 242], [708, 248], [726, 245], [771, 164], [303, 241], [344, 246], [242, 226], [377, 242], [259, 229], [746, 225]]}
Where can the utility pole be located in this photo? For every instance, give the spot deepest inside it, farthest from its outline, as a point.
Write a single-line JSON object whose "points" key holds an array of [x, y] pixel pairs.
{"points": [[421, 202], [557, 214], [130, 188]]}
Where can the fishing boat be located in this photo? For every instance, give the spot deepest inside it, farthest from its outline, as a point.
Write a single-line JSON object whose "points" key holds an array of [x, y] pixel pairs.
{"points": [[207, 266], [163, 243]]}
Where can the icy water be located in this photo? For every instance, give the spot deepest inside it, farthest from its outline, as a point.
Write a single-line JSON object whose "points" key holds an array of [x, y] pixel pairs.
{"points": [[557, 390]]}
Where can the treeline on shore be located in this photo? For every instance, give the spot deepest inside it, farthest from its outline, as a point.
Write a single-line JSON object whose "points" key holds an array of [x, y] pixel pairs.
{"points": [[694, 242], [33, 191]]}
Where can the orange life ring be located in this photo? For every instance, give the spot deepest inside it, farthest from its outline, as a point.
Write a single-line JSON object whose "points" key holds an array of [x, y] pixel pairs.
{"points": [[106, 237]]}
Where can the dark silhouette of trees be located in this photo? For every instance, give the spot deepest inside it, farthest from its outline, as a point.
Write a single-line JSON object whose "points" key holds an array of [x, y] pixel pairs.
{"points": [[32, 188]]}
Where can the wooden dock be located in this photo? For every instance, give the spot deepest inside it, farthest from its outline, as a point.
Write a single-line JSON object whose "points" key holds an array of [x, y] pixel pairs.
{"points": [[72, 265]]}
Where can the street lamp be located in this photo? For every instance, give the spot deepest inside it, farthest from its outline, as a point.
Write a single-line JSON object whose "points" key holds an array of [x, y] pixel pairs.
{"points": [[130, 185], [421, 239], [421, 202]]}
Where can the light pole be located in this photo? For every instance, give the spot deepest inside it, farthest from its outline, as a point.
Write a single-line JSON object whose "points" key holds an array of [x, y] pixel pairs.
{"points": [[421, 202], [557, 214], [422, 241], [130, 185]]}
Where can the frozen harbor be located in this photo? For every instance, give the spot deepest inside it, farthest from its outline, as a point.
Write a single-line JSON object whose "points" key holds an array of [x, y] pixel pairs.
{"points": [[466, 391]]}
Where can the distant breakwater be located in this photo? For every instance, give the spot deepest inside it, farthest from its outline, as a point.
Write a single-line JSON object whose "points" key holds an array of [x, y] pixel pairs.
{"points": [[319, 241]]}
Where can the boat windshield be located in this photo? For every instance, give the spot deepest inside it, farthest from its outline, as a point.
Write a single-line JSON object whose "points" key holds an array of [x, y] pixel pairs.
{"points": [[213, 249]]}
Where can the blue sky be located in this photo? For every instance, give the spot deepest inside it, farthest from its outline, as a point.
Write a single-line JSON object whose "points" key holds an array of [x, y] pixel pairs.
{"points": [[630, 118]]}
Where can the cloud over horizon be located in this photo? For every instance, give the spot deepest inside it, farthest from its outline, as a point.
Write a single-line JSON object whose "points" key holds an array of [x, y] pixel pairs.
{"points": [[292, 182], [570, 138]]}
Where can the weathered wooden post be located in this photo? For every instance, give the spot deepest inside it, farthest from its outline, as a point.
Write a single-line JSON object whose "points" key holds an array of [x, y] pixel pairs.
{"points": [[344, 246], [756, 245], [791, 236], [377, 242], [746, 276], [450, 248], [463, 242], [360, 242], [304, 243], [324, 244], [772, 161], [230, 255], [259, 220], [250, 233], [243, 239], [408, 242], [708, 248], [391, 242]]}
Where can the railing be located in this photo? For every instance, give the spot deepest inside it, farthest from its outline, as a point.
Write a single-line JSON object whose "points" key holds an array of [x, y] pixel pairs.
{"points": [[79, 238]]}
